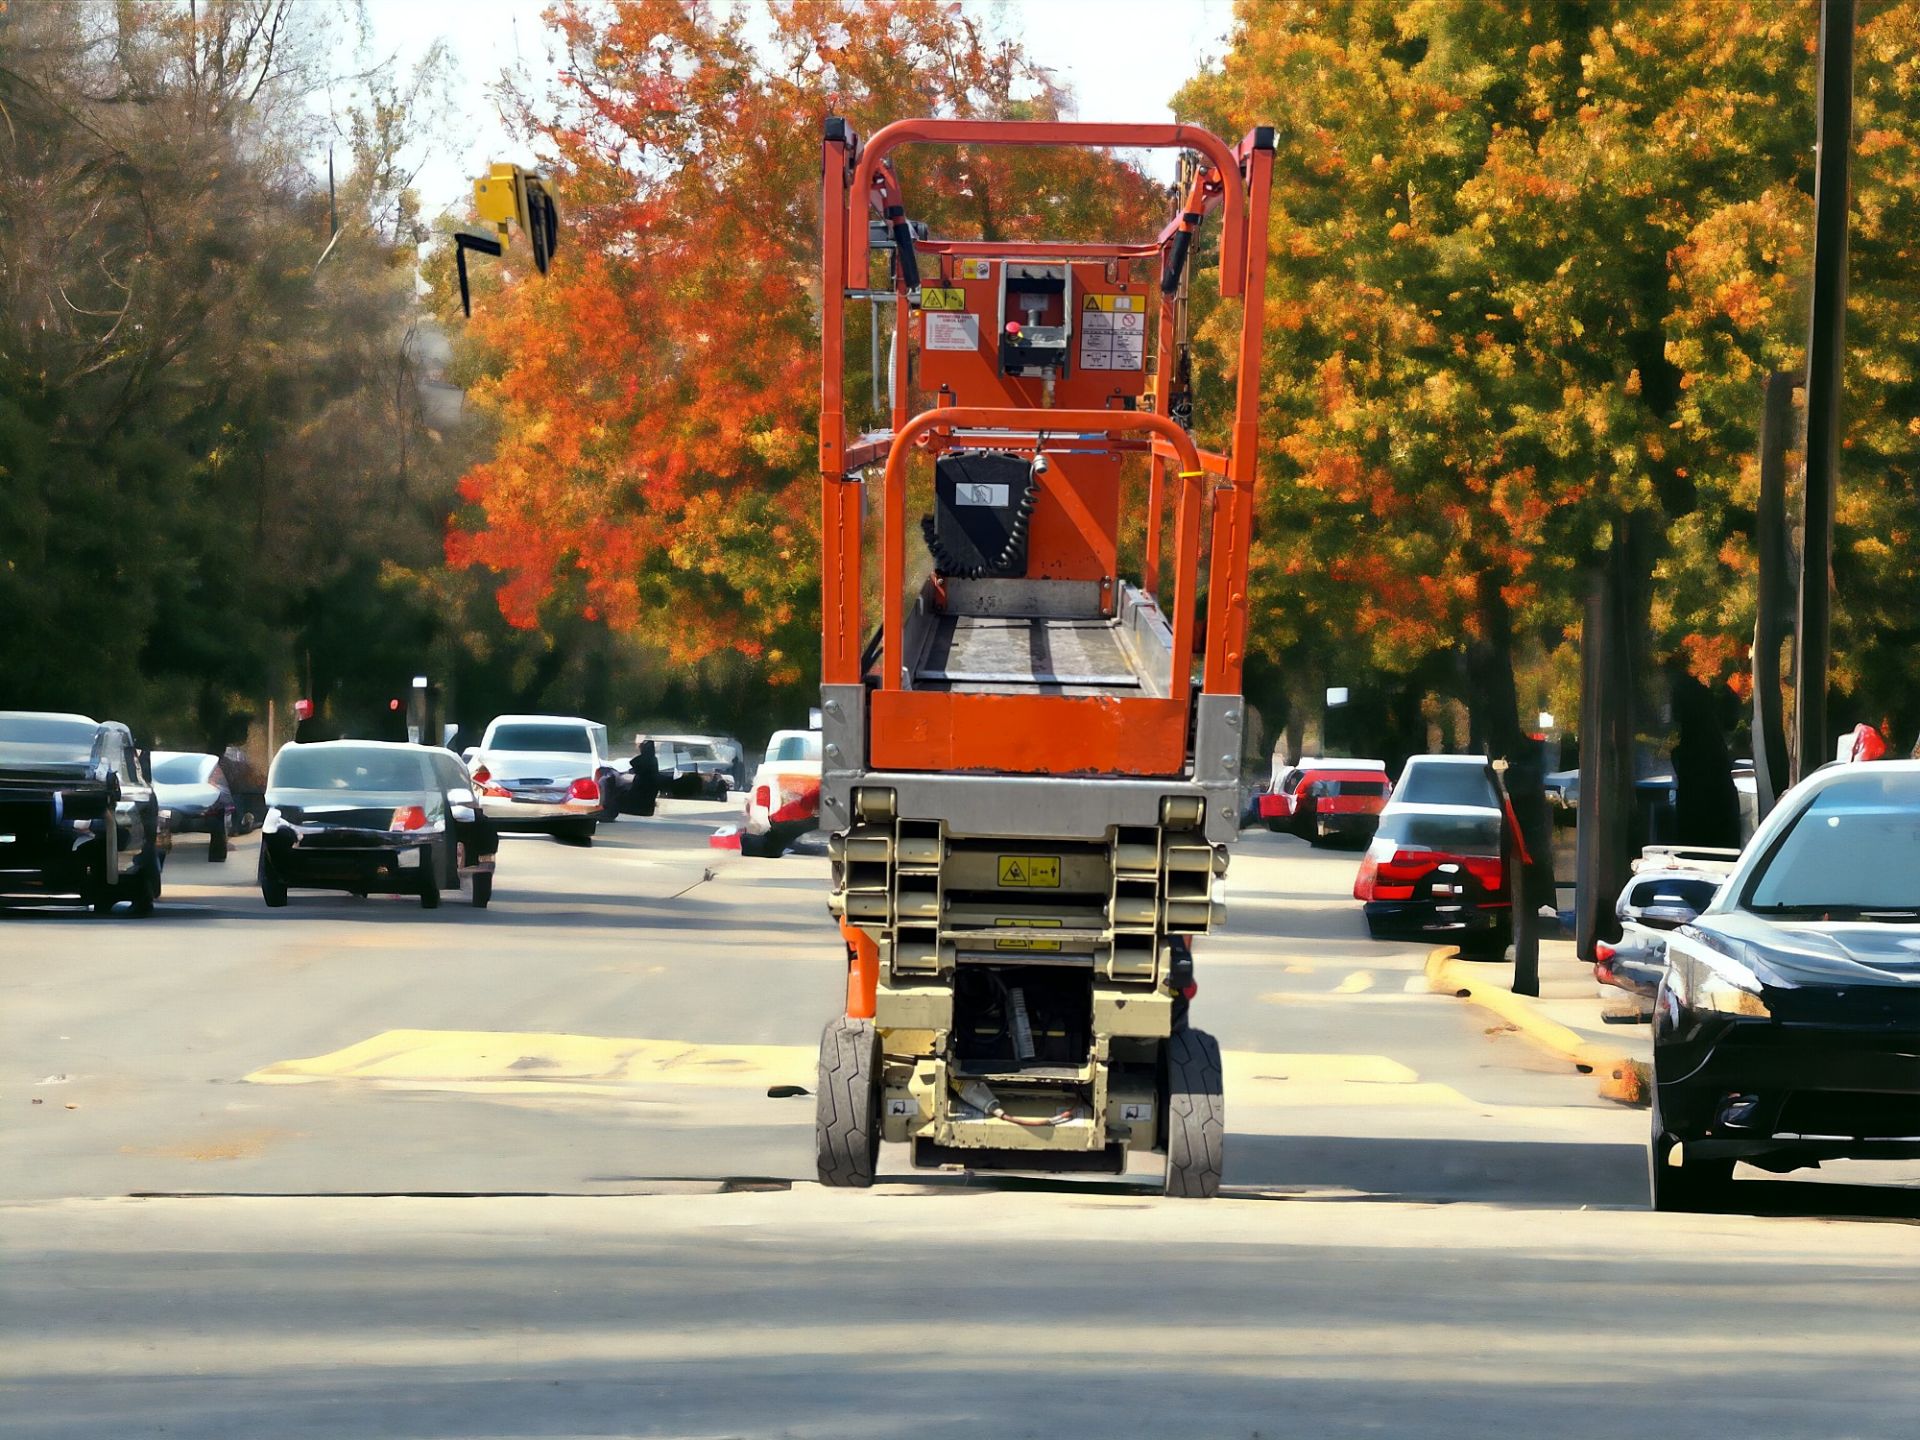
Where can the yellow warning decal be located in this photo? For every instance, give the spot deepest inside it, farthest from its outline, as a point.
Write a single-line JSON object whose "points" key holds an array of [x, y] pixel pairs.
{"points": [[1135, 303], [976, 269], [1027, 945], [935, 297], [1030, 872]]}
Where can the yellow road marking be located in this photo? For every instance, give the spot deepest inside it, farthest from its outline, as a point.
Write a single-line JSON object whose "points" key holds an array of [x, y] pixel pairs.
{"points": [[1355, 983], [510, 1062]]}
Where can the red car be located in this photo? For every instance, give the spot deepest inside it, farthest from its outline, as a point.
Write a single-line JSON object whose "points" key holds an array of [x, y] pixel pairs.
{"points": [[1321, 800], [1434, 872]]}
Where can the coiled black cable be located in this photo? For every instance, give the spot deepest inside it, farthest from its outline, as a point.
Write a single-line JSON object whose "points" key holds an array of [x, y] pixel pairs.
{"points": [[1010, 553]]}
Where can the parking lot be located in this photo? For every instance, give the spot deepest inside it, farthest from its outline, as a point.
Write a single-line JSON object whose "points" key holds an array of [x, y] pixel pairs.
{"points": [[518, 1172]]}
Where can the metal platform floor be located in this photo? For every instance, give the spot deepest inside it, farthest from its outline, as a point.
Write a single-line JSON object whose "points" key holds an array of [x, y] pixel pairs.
{"points": [[994, 654]]}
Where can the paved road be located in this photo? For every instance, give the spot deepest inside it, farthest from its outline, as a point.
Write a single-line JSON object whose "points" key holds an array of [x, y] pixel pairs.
{"points": [[1432, 1229]]}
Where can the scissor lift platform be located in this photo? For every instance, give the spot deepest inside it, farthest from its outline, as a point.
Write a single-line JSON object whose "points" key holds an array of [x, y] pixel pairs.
{"points": [[1029, 787]]}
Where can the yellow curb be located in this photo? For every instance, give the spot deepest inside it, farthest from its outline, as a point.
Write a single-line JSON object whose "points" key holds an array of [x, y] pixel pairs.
{"points": [[1621, 1078]]}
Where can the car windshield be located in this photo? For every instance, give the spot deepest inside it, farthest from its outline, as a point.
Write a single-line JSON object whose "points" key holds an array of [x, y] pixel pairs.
{"points": [[795, 747], [1448, 784], [45, 740], [1854, 847], [1452, 834], [557, 739], [351, 768], [697, 751], [182, 769]]}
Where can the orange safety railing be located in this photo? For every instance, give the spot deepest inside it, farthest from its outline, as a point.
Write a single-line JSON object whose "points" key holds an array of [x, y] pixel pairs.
{"points": [[932, 728]]}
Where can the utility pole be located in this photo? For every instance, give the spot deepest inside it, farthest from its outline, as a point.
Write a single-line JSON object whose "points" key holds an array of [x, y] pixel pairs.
{"points": [[1776, 597], [1826, 358]]}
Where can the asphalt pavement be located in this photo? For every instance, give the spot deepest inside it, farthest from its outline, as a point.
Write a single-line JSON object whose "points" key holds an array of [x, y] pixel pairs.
{"points": [[353, 1168]]}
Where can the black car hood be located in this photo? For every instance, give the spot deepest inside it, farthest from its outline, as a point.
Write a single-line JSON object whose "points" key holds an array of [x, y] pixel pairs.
{"points": [[1822, 952]]}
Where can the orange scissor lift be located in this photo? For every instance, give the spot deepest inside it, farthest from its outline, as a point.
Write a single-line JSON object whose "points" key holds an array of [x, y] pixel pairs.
{"points": [[1030, 798]]}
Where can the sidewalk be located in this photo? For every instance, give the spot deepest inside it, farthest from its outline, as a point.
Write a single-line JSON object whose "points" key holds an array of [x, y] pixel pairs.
{"points": [[1564, 1019]]}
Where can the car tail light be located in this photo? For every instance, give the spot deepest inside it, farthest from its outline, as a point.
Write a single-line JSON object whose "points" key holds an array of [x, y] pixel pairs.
{"points": [[585, 788], [482, 775], [1603, 953], [1484, 868], [763, 796], [409, 817], [1363, 883]]}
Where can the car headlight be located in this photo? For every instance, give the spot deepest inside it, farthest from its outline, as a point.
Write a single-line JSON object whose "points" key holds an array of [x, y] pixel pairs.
{"points": [[1723, 986]]}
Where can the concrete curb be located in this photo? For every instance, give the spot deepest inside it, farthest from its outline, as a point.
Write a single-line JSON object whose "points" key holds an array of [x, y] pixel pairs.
{"points": [[1621, 1078]]}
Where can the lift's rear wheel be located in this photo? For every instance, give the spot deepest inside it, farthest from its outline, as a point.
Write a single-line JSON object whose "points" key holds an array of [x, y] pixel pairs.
{"points": [[846, 1124], [1194, 1104]]}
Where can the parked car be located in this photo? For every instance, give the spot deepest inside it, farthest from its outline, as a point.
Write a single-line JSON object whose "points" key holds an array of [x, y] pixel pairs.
{"points": [[1668, 886], [783, 802], [1321, 800], [79, 820], [1435, 872], [1446, 780], [542, 772], [193, 791], [692, 767], [369, 816], [1788, 1017]]}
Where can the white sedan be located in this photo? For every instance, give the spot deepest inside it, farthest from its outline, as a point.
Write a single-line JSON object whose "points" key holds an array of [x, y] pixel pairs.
{"points": [[542, 772]]}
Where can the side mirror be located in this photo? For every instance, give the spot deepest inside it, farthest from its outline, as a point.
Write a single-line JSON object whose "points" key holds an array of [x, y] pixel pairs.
{"points": [[469, 755], [463, 814], [461, 796]]}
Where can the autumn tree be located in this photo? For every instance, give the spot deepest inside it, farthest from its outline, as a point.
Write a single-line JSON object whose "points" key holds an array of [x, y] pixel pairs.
{"points": [[1529, 266], [654, 400], [211, 446]]}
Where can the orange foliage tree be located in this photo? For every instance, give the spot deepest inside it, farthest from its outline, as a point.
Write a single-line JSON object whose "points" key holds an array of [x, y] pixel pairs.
{"points": [[655, 399]]}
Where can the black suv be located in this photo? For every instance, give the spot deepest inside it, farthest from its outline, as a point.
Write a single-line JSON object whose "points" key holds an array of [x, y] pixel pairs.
{"points": [[79, 821]]}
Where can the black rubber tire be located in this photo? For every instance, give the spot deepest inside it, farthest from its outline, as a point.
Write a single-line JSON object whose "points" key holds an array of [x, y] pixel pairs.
{"points": [[1275, 826], [1698, 1187], [273, 889], [846, 1118], [217, 840], [1194, 1102], [143, 888], [1492, 946], [429, 881], [577, 832], [482, 893]]}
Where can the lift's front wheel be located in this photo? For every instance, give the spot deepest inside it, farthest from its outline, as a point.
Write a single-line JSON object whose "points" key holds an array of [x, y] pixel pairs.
{"points": [[1193, 1101], [846, 1125]]}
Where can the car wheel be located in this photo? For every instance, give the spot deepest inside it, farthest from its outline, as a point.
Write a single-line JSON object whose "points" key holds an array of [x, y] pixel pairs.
{"points": [[1275, 827], [577, 832], [1491, 946], [429, 881], [217, 839], [1373, 929], [1194, 1107], [846, 1122], [273, 889], [482, 893], [144, 888], [1692, 1187]]}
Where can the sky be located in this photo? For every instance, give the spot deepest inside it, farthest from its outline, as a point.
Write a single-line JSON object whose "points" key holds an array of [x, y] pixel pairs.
{"points": [[1123, 59]]}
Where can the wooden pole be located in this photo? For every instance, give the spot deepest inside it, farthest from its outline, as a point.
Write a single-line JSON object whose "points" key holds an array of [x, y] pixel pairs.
{"points": [[1826, 360]]}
